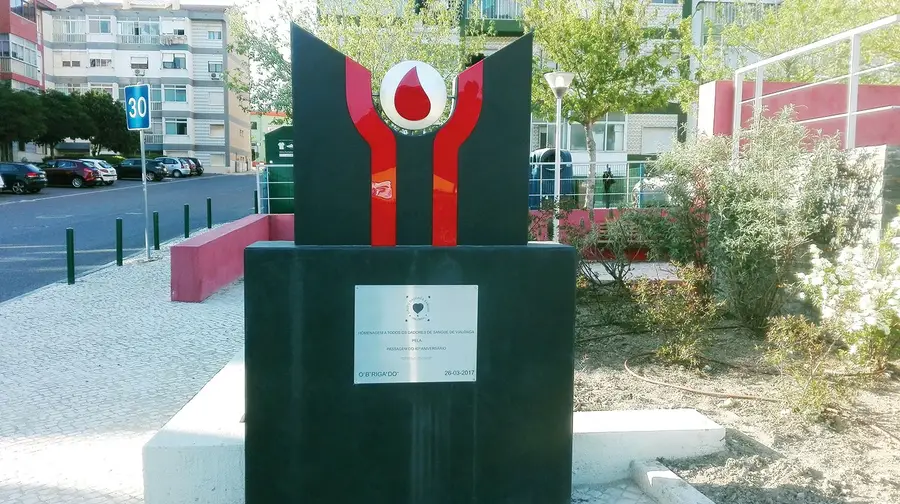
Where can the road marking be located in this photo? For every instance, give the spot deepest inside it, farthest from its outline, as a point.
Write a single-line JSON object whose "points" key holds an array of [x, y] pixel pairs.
{"points": [[12, 247], [182, 181], [52, 216]]}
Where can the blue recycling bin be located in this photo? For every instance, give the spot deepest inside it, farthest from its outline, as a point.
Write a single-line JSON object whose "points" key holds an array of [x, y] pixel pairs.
{"points": [[542, 176]]}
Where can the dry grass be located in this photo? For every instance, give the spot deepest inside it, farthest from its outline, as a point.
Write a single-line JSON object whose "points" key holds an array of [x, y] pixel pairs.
{"points": [[773, 455]]}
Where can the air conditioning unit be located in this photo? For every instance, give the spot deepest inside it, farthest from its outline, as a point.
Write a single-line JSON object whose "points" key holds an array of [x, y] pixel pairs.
{"points": [[215, 76]]}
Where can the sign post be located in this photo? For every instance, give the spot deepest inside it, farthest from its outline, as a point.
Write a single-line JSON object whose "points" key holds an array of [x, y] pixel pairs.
{"points": [[137, 116]]}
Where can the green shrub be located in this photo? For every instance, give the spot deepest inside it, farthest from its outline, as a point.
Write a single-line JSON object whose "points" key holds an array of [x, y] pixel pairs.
{"points": [[752, 217], [679, 312], [798, 348]]}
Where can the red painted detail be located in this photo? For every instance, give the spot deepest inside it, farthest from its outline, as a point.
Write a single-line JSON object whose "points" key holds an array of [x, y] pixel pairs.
{"points": [[410, 99], [445, 205], [383, 146]]}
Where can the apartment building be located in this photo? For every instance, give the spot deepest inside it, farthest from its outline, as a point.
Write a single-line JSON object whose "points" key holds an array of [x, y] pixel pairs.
{"points": [[179, 48], [21, 54]]}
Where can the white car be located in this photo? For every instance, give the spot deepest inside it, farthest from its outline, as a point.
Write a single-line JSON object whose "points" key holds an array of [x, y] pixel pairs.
{"points": [[107, 173], [176, 168]]}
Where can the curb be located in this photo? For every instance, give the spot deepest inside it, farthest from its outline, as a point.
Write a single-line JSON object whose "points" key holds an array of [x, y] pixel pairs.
{"points": [[666, 487]]}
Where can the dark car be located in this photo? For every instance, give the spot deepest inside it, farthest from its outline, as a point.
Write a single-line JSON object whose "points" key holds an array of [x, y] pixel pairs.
{"points": [[198, 164], [190, 164], [22, 178], [131, 168], [72, 172]]}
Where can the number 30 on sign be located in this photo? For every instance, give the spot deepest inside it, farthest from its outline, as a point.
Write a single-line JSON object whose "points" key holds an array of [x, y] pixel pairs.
{"points": [[137, 109]]}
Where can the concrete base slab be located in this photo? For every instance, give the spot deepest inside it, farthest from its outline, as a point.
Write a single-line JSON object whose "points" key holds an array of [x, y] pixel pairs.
{"points": [[198, 456], [606, 442], [657, 481]]}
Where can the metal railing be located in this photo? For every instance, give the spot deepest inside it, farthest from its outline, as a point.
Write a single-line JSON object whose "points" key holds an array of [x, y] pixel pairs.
{"points": [[852, 78], [70, 38], [616, 185], [138, 39], [153, 138], [502, 9]]}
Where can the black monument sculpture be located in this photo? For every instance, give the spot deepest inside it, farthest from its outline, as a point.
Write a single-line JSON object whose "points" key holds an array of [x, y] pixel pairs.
{"points": [[411, 346]]}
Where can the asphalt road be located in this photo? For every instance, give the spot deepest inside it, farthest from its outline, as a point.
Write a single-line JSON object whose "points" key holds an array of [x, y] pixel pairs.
{"points": [[33, 227]]}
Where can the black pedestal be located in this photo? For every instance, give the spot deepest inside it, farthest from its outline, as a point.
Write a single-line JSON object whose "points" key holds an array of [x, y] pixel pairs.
{"points": [[314, 435]]}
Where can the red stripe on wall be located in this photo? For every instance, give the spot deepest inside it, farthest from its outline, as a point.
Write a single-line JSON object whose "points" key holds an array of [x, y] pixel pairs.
{"points": [[449, 139], [383, 146]]}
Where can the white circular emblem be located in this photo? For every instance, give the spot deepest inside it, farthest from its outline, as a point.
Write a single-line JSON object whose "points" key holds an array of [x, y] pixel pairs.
{"points": [[413, 95]]}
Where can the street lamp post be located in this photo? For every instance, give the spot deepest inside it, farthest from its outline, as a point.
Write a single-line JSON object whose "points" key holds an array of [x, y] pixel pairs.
{"points": [[559, 83]]}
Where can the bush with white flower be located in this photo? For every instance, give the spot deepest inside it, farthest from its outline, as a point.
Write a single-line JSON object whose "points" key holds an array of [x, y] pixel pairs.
{"points": [[858, 296]]}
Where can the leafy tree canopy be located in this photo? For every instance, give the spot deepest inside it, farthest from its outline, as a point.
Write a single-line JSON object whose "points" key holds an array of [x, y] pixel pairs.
{"points": [[375, 33]]}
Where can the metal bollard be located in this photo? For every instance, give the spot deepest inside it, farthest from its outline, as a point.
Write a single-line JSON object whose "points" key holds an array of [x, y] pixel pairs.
{"points": [[255, 201], [118, 242], [208, 213], [70, 255], [155, 230], [187, 221]]}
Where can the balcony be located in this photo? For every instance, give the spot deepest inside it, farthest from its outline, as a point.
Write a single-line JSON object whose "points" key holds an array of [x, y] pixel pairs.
{"points": [[153, 138], [70, 38], [20, 68], [138, 39], [505, 15]]}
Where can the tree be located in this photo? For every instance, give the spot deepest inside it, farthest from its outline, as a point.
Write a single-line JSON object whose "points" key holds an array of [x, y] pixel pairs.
{"points": [[617, 67], [768, 31], [22, 118], [108, 130], [375, 33], [65, 118]]}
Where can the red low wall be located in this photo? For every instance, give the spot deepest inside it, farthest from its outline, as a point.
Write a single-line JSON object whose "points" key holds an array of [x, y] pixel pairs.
{"points": [[206, 263]]}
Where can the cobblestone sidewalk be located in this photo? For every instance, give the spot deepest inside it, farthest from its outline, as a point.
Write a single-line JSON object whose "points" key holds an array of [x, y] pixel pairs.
{"points": [[89, 372]]}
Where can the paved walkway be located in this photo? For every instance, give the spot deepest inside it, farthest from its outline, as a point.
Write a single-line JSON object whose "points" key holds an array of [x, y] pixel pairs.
{"points": [[89, 372]]}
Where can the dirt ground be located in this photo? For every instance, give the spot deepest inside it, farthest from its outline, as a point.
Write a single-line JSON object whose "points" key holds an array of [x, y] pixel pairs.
{"points": [[773, 455]]}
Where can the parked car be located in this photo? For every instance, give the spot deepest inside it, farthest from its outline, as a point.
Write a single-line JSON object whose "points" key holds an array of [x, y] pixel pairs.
{"points": [[131, 168], [21, 178], [72, 172], [107, 172], [199, 165], [176, 167], [191, 165]]}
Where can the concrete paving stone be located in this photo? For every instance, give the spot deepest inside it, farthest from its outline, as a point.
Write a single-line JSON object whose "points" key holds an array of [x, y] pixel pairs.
{"points": [[617, 492], [90, 371]]}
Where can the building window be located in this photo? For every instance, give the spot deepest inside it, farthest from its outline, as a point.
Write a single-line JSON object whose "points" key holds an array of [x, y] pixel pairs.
{"points": [[103, 88], [175, 94], [214, 35], [176, 127], [254, 125], [217, 130], [23, 8], [215, 67], [174, 61], [101, 62], [178, 31], [140, 62], [99, 24], [139, 31], [609, 134]]}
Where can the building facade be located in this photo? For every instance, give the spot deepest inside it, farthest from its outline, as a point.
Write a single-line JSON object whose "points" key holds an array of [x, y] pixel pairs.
{"points": [[22, 55], [179, 48]]}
